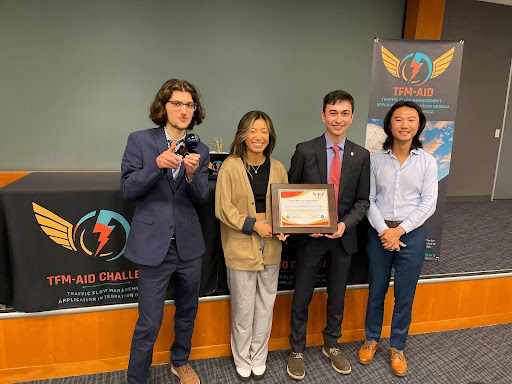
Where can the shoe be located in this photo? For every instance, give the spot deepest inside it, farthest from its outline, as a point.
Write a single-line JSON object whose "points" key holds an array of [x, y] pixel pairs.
{"points": [[296, 368], [338, 360], [186, 374], [367, 351], [258, 372], [243, 374], [398, 363]]}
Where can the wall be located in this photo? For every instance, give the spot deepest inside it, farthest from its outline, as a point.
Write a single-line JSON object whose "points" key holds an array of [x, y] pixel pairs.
{"points": [[487, 31], [78, 77]]}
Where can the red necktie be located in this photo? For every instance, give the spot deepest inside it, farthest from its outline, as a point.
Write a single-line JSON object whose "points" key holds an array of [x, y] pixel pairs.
{"points": [[334, 175]]}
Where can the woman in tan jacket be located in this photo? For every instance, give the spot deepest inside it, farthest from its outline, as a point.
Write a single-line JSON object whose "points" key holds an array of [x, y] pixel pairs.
{"points": [[242, 204]]}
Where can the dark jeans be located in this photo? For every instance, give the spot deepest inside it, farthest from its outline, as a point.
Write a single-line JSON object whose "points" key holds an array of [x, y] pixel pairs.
{"points": [[153, 282], [306, 273], [407, 264]]}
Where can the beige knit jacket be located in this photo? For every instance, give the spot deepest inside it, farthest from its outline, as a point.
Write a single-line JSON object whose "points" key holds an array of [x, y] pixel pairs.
{"points": [[234, 202]]}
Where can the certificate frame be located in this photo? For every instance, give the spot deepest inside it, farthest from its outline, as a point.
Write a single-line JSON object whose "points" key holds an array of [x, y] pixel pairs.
{"points": [[318, 225]]}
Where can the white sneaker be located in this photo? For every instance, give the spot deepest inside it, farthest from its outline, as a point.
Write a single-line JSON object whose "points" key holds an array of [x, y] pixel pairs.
{"points": [[243, 374], [258, 372]]}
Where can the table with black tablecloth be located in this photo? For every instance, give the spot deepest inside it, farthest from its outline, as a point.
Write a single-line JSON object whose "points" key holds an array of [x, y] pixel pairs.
{"points": [[38, 273]]}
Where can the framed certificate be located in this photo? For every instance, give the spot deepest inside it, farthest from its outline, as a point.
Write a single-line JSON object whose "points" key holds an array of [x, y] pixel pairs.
{"points": [[303, 208]]}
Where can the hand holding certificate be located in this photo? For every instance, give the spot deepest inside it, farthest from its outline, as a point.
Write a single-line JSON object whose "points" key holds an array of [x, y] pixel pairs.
{"points": [[303, 208]]}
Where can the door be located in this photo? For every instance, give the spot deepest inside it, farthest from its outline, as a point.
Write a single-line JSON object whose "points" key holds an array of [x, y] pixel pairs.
{"points": [[503, 178]]}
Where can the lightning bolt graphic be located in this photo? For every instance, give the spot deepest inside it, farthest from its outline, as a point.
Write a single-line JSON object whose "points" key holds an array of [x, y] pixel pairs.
{"points": [[415, 69], [415, 65], [103, 228], [104, 231]]}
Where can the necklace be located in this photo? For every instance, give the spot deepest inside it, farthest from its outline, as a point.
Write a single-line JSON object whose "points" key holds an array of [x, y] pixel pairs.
{"points": [[255, 169]]}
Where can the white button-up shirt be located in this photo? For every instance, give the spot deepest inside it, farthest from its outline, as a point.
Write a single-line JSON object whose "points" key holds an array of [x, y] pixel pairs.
{"points": [[406, 193]]}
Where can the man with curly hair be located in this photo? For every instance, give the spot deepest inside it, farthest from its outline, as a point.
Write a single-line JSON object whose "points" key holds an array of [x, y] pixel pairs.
{"points": [[165, 237]]}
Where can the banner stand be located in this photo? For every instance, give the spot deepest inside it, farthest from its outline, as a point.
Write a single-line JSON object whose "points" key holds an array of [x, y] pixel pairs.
{"points": [[426, 72]]}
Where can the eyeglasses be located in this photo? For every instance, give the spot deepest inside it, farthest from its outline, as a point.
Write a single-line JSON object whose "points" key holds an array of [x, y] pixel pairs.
{"points": [[178, 104]]}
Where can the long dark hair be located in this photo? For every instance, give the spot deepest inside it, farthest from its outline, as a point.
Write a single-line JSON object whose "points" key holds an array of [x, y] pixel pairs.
{"points": [[238, 147], [416, 142]]}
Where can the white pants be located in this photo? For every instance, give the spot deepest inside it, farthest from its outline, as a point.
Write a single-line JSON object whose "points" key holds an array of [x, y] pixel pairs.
{"points": [[253, 294]]}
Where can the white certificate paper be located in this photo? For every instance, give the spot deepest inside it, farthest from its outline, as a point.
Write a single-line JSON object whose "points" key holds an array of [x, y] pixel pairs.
{"points": [[307, 208]]}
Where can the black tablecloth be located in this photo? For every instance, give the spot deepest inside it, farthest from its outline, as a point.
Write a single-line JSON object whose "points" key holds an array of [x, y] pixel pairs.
{"points": [[74, 269], [37, 273]]}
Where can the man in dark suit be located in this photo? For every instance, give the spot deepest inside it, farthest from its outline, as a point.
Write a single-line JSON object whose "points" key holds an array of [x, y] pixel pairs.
{"points": [[330, 158], [165, 236]]}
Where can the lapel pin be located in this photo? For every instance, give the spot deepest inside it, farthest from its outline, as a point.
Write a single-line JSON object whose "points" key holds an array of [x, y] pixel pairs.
{"points": [[351, 153]]}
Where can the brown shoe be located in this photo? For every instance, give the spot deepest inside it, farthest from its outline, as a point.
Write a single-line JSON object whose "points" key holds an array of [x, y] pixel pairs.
{"points": [[186, 374], [398, 363], [296, 367], [338, 361], [367, 351]]}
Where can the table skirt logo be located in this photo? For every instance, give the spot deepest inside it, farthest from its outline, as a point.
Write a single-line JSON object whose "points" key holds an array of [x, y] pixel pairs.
{"points": [[416, 68], [64, 233]]}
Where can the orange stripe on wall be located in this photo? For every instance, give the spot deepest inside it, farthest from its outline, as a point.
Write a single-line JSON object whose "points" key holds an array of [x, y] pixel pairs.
{"points": [[9, 177]]}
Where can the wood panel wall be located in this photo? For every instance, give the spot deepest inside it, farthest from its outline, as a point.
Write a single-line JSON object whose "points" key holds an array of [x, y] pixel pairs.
{"points": [[424, 19], [57, 346]]}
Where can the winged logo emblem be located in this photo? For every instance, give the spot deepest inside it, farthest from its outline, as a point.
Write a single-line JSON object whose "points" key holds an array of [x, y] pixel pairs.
{"points": [[412, 64], [64, 233], [57, 229]]}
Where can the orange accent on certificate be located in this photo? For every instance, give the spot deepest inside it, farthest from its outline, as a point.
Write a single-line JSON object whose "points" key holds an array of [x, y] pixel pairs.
{"points": [[287, 194], [321, 223]]}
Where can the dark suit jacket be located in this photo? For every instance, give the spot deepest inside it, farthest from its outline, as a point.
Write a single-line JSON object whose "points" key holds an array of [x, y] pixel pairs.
{"points": [[162, 206], [309, 165]]}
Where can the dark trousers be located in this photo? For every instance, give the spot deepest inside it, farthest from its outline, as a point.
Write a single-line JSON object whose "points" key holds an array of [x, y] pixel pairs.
{"points": [[407, 264], [153, 282], [307, 266]]}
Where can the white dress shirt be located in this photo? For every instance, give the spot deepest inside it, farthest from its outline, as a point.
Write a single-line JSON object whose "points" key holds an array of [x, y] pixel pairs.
{"points": [[406, 193]]}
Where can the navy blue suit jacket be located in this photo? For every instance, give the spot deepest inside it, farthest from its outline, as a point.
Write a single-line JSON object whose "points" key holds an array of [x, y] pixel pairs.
{"points": [[163, 207], [309, 166]]}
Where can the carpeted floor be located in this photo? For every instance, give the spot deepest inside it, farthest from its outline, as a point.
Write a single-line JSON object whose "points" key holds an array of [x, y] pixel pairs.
{"points": [[477, 236], [476, 355]]}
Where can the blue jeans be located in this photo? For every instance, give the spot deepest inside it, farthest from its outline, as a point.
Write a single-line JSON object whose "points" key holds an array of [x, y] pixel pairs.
{"points": [[407, 264]]}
